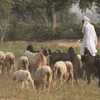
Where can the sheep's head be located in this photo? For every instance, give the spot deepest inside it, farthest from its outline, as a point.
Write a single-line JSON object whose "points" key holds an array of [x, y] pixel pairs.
{"points": [[71, 50], [84, 58], [30, 47]]}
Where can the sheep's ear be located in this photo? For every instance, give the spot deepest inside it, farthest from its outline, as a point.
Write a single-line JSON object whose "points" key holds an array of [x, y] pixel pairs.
{"points": [[41, 51], [49, 51]]}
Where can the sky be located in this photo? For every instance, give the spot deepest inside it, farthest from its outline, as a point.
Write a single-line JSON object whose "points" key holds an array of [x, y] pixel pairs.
{"points": [[90, 14]]}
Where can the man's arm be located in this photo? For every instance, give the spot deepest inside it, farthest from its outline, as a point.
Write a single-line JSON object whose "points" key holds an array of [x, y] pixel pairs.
{"points": [[87, 31]]}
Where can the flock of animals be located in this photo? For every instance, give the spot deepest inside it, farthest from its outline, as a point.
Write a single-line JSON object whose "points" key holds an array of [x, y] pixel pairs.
{"points": [[42, 67]]}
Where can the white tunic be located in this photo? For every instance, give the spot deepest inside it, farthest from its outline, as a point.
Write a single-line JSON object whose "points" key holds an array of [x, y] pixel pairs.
{"points": [[89, 39]]}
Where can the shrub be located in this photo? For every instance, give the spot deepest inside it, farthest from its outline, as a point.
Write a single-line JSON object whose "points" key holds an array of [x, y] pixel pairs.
{"points": [[32, 32]]}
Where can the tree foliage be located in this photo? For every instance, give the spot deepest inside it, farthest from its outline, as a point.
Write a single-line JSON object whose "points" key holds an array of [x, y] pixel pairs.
{"points": [[41, 12]]}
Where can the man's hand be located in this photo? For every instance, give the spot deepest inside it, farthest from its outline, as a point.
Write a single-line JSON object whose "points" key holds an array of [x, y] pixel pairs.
{"points": [[86, 48], [96, 46]]}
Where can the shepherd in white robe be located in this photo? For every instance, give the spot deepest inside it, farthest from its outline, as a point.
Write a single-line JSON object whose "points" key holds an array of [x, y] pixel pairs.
{"points": [[90, 37]]}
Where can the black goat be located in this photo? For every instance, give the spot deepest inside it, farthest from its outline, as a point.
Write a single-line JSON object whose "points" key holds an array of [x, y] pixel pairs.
{"points": [[89, 65]]}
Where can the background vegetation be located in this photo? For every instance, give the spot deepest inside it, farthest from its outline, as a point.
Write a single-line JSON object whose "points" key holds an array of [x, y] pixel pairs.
{"points": [[40, 20]]}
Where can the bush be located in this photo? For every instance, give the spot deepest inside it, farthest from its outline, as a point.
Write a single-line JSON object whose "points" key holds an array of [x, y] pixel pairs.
{"points": [[31, 32]]}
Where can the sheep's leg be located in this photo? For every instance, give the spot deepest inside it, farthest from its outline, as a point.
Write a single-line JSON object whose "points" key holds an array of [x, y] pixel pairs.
{"points": [[55, 77], [99, 83], [48, 86], [54, 82], [99, 76], [8, 73], [3, 69], [88, 78], [27, 84], [0, 68], [13, 67], [61, 79], [84, 75], [8, 70], [65, 78], [43, 87], [69, 77], [75, 76], [72, 78], [17, 84], [32, 83], [22, 85]]}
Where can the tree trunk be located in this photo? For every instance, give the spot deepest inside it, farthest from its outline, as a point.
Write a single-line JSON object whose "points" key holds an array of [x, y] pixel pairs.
{"points": [[5, 28], [53, 16], [3, 33], [44, 18]]}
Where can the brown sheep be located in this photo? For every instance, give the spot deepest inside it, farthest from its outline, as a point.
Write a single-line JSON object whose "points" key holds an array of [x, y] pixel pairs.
{"points": [[43, 76], [23, 63], [9, 62], [35, 60], [70, 69], [2, 57], [60, 70]]}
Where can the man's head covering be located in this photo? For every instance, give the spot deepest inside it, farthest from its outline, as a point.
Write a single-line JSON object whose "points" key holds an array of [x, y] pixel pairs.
{"points": [[86, 21], [85, 18]]}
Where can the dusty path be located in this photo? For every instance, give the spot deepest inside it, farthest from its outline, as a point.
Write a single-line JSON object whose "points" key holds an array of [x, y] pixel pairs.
{"points": [[64, 43]]}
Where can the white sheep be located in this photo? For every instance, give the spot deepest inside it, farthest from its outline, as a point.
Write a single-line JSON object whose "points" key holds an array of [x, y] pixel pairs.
{"points": [[2, 57], [35, 60], [70, 68], [79, 57], [60, 70], [43, 76], [23, 63], [9, 62], [48, 60], [23, 76]]}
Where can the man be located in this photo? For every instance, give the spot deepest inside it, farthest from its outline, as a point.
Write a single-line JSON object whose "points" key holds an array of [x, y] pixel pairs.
{"points": [[90, 37]]}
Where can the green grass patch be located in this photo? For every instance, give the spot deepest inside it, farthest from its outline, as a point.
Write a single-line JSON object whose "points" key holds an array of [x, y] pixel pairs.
{"points": [[65, 92]]}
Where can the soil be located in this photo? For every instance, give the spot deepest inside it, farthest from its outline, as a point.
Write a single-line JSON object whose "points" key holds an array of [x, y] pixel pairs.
{"points": [[64, 43]]}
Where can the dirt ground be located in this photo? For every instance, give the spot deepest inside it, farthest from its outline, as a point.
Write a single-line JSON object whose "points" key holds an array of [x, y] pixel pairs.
{"points": [[10, 99], [75, 43], [64, 43]]}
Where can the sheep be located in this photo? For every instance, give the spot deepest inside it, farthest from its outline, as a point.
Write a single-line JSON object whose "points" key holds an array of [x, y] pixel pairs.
{"points": [[70, 68], [23, 63], [35, 60], [30, 48], [48, 60], [9, 62], [43, 76], [80, 63], [60, 70], [79, 57], [2, 57], [23, 76], [89, 65]]}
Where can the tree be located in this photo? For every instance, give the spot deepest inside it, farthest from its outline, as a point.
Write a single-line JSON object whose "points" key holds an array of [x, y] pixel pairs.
{"points": [[97, 4], [5, 9], [88, 4], [50, 7]]}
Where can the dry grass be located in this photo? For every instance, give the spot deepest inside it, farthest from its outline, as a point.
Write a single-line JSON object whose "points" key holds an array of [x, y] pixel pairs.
{"points": [[65, 92]]}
